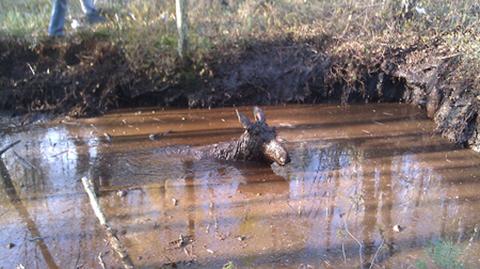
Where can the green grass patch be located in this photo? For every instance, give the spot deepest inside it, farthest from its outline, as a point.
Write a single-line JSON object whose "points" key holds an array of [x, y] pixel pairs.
{"points": [[444, 254]]}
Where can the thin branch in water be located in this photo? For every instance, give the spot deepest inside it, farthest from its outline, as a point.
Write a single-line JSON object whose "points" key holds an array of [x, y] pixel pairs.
{"points": [[9, 147], [24, 161], [100, 260], [79, 252], [360, 246], [115, 243], [58, 154], [376, 254]]}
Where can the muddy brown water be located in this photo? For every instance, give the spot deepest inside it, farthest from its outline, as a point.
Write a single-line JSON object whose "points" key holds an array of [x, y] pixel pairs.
{"points": [[357, 174]]}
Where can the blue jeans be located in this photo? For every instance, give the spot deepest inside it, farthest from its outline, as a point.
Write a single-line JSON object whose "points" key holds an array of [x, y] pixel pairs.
{"points": [[59, 9]]}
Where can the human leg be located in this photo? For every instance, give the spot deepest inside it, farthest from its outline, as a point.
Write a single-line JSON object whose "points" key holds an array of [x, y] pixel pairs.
{"points": [[57, 19], [88, 7], [91, 13]]}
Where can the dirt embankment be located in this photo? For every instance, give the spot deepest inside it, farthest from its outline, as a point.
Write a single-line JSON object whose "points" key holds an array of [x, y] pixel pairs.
{"points": [[88, 76]]}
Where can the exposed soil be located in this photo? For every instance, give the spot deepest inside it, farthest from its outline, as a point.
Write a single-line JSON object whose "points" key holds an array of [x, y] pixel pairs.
{"points": [[88, 76]]}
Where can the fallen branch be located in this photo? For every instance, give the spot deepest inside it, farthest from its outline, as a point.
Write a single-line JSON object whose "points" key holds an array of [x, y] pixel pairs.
{"points": [[360, 246], [9, 147], [111, 234]]}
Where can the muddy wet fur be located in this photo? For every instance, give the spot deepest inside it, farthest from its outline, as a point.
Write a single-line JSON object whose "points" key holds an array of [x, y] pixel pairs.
{"points": [[258, 142]]}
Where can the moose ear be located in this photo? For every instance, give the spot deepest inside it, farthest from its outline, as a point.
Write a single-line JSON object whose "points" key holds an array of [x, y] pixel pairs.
{"points": [[244, 121], [259, 114]]}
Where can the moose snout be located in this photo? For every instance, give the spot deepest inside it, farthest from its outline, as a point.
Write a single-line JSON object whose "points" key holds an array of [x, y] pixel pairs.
{"points": [[275, 152]]}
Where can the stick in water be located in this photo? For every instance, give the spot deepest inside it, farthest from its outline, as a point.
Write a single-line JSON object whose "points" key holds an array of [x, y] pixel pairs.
{"points": [[111, 234], [9, 147]]}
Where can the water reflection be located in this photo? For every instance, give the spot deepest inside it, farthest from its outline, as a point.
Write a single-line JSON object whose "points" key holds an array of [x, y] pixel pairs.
{"points": [[344, 184], [21, 210]]}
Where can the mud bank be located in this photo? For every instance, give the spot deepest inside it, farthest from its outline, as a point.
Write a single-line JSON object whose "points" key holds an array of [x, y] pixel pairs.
{"points": [[88, 76]]}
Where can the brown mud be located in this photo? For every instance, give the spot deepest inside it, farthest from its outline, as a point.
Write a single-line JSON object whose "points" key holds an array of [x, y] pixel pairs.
{"points": [[357, 174], [87, 76]]}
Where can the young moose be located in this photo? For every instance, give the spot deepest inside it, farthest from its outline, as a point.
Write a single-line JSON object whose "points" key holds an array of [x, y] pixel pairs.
{"points": [[257, 143]]}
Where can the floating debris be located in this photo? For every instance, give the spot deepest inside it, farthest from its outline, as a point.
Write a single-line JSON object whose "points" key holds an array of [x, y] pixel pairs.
{"points": [[241, 237], [221, 236], [397, 228], [378, 122], [107, 137], [153, 137], [36, 238], [285, 125], [157, 136], [229, 265], [182, 241], [121, 193]]}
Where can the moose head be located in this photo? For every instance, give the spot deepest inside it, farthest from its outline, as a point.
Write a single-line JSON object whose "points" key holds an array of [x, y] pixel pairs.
{"points": [[259, 141]]}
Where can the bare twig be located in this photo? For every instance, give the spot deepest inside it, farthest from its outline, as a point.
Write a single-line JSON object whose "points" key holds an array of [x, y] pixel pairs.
{"points": [[450, 56], [100, 260], [111, 234], [24, 161], [9, 147], [79, 252], [58, 154], [77, 261], [343, 253], [31, 68], [360, 246], [37, 238], [376, 254]]}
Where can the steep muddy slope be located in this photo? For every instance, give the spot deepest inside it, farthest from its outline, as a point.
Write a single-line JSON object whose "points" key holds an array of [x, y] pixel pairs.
{"points": [[88, 76]]}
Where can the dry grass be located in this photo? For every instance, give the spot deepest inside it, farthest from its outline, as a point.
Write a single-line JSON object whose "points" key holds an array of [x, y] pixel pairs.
{"points": [[146, 30]]}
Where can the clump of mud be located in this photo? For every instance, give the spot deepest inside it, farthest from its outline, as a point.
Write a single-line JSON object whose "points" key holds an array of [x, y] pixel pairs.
{"points": [[88, 76]]}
